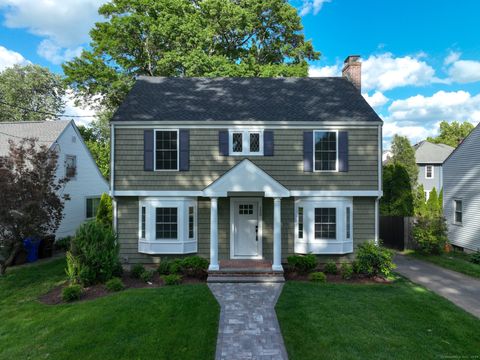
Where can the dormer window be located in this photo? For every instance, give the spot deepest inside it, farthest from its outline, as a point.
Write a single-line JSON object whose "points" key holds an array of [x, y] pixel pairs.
{"points": [[246, 142]]}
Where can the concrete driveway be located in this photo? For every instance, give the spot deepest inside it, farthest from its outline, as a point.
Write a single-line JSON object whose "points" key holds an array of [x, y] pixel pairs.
{"points": [[462, 290]]}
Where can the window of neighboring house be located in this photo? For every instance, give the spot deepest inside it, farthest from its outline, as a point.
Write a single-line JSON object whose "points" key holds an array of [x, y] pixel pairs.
{"points": [[325, 151], [92, 207], [191, 222], [325, 223], [166, 150], [166, 223], [143, 222], [458, 207], [70, 166], [300, 222], [429, 172], [246, 142], [348, 221]]}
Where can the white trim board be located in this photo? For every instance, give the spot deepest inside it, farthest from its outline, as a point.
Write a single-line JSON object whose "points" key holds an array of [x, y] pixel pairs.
{"points": [[242, 124]]}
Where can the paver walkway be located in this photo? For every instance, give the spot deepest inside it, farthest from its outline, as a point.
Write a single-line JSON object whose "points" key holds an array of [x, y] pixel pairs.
{"points": [[462, 290], [248, 326]]}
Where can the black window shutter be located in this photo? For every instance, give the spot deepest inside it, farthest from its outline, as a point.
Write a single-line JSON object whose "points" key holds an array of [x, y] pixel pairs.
{"points": [[184, 150], [308, 151], [148, 148], [343, 151], [223, 142], [268, 143]]}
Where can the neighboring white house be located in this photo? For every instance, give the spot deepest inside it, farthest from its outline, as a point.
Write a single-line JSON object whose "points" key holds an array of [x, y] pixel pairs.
{"points": [[86, 183], [429, 158], [461, 193]]}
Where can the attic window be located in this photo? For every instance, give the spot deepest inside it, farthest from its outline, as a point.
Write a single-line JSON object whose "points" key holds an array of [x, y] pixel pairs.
{"points": [[70, 166], [246, 142]]}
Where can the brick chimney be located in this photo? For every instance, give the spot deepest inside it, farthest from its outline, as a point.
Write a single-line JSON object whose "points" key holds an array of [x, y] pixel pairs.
{"points": [[352, 70]]}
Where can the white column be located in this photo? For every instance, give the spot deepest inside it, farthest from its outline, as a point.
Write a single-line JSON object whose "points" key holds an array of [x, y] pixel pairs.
{"points": [[277, 235], [213, 235]]}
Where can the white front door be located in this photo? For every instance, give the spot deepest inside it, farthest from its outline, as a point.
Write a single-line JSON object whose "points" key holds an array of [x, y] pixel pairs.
{"points": [[247, 242]]}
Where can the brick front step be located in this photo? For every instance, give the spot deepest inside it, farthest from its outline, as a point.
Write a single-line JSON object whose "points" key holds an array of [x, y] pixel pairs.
{"points": [[245, 279]]}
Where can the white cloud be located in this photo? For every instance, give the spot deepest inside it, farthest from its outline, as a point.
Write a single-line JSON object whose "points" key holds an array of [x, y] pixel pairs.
{"points": [[312, 6], [322, 71], [9, 58], [415, 133], [55, 54], [385, 72], [65, 24], [452, 57], [464, 71], [377, 99]]}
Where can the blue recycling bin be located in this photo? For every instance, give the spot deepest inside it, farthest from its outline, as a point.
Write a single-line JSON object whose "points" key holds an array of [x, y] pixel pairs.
{"points": [[31, 245]]}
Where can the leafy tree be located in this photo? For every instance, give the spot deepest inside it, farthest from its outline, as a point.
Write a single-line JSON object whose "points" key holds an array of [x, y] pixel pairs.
{"points": [[188, 38], [104, 212], [404, 154], [30, 202], [452, 134], [34, 91], [397, 197], [420, 204]]}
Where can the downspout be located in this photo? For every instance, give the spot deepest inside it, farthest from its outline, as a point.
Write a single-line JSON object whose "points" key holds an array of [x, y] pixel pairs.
{"points": [[377, 200], [112, 175]]}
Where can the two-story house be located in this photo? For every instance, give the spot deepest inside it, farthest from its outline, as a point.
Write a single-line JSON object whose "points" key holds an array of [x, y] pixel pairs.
{"points": [[429, 158], [245, 168]]}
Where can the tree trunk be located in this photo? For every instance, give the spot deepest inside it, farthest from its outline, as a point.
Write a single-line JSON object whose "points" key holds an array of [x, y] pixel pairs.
{"points": [[9, 260]]}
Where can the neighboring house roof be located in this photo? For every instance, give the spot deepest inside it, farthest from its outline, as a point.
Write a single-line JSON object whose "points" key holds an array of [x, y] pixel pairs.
{"points": [[47, 132], [245, 99], [429, 153]]}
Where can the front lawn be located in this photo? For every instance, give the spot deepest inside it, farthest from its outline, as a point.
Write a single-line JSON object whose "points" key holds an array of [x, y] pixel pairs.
{"points": [[396, 321], [455, 260], [173, 322]]}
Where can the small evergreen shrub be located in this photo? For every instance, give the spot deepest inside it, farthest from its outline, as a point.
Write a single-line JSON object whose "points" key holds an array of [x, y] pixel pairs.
{"points": [[164, 267], [475, 258], [87, 275], [347, 271], [104, 214], [302, 263], [73, 268], [176, 266], [115, 284], [137, 271], [330, 268], [72, 293], [430, 234], [318, 277], [195, 266], [356, 267], [172, 279], [374, 260], [147, 275]]}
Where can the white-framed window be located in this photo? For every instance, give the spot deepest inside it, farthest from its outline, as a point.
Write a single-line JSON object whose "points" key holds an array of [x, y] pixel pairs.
{"points": [[245, 142], [166, 154], [325, 150], [70, 166], [458, 211], [429, 171], [325, 225], [167, 225], [91, 207]]}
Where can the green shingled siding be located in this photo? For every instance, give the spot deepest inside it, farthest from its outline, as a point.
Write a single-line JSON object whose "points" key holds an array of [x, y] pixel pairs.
{"points": [[286, 166], [363, 228]]}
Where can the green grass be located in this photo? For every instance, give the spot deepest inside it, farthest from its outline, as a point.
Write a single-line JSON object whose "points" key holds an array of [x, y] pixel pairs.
{"points": [[176, 322], [455, 260], [395, 321]]}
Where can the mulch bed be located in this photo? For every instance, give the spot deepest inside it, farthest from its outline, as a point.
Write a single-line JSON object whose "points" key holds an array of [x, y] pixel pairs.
{"points": [[337, 279], [54, 296]]}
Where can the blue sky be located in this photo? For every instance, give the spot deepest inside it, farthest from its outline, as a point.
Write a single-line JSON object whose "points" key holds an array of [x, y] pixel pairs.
{"points": [[421, 58]]}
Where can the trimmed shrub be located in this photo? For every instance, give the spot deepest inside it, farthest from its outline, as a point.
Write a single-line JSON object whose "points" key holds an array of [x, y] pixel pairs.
{"points": [[72, 293], [115, 284], [317, 277], [96, 248], [172, 279], [356, 267], [475, 258], [195, 266], [330, 268], [374, 260], [430, 234], [302, 263], [137, 271], [347, 271], [164, 267], [104, 214], [147, 275]]}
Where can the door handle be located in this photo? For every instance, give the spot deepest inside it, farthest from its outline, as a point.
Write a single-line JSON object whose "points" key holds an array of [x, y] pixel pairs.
{"points": [[256, 233]]}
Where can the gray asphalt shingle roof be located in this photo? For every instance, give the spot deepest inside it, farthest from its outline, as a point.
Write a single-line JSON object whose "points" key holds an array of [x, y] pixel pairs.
{"points": [[429, 153], [45, 131], [244, 99]]}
